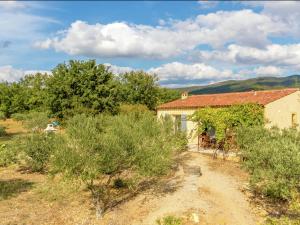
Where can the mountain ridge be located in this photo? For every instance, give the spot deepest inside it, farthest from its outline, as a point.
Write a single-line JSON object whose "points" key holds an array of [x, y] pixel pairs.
{"points": [[260, 83]]}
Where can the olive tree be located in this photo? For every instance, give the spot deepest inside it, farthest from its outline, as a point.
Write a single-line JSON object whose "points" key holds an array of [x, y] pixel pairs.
{"points": [[98, 149]]}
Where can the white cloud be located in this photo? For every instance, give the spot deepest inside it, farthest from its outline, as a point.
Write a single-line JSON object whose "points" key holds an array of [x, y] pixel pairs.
{"points": [[268, 71], [119, 39], [118, 69], [274, 54], [262, 71], [199, 71], [207, 4], [18, 22], [169, 39], [12, 5], [11, 74], [287, 12]]}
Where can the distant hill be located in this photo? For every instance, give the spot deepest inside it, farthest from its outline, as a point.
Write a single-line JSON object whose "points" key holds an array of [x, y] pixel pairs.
{"points": [[261, 83]]}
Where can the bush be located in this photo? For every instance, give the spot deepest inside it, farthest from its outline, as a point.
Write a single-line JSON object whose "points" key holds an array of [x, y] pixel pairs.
{"points": [[36, 120], [169, 220], [38, 148], [2, 131], [137, 108], [2, 116], [98, 149], [273, 159], [19, 116], [7, 155]]}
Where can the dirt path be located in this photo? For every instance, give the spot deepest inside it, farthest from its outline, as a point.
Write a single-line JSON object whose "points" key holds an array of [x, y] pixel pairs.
{"points": [[203, 196]]}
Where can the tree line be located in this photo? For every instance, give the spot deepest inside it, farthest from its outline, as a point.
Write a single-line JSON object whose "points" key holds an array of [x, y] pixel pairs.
{"points": [[82, 87]]}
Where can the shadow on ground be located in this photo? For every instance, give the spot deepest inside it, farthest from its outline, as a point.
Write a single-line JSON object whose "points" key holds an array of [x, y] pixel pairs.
{"points": [[13, 187]]}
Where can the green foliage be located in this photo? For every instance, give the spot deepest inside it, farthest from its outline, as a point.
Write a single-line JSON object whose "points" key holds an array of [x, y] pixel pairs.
{"points": [[226, 118], [34, 88], [138, 87], [99, 148], [2, 116], [2, 131], [19, 116], [28, 94], [137, 108], [32, 120], [169, 220], [36, 120], [81, 86], [273, 159], [38, 148], [167, 95], [8, 155]]}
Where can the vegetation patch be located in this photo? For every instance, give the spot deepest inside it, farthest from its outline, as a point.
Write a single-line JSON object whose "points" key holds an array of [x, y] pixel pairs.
{"points": [[169, 220], [224, 121], [2, 131], [272, 158], [13, 187]]}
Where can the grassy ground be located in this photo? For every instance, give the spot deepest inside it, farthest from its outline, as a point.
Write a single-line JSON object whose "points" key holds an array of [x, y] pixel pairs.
{"points": [[32, 198], [13, 129]]}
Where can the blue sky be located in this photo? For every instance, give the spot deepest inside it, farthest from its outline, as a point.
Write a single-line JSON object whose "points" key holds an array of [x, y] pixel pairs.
{"points": [[184, 43]]}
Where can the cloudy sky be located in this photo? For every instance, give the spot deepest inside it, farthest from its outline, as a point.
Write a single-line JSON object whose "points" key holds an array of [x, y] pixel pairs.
{"points": [[184, 43]]}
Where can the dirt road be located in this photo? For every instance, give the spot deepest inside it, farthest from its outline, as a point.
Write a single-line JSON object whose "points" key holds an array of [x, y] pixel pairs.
{"points": [[210, 195]]}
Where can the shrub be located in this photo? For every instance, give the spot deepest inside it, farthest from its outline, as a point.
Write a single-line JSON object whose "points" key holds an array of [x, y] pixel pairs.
{"points": [[273, 159], [169, 220], [7, 155], [98, 149], [2, 116], [19, 116], [38, 148], [2, 131], [137, 108], [36, 120]]}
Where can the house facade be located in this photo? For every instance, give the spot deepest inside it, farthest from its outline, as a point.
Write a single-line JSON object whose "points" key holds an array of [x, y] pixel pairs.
{"points": [[281, 107]]}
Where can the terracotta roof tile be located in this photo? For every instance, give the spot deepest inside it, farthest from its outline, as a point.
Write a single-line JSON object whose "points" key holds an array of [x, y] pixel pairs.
{"points": [[227, 99]]}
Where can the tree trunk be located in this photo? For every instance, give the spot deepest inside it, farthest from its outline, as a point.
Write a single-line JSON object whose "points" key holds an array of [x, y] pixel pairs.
{"points": [[99, 209]]}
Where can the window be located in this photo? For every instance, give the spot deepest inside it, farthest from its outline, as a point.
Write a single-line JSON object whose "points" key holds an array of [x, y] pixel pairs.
{"points": [[183, 123], [294, 120], [177, 123], [180, 123]]}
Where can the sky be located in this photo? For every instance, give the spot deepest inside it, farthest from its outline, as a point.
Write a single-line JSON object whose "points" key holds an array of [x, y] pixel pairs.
{"points": [[183, 42]]}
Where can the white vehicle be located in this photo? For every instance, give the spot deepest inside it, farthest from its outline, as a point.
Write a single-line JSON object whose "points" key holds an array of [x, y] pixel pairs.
{"points": [[50, 128]]}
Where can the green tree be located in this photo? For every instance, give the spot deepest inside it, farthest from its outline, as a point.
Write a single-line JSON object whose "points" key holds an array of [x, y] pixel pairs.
{"points": [[167, 95], [99, 149], [12, 98], [81, 87], [34, 88], [139, 87]]}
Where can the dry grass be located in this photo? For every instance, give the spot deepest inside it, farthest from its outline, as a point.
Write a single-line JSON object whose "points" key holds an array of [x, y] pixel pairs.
{"points": [[32, 198], [36, 199], [13, 128]]}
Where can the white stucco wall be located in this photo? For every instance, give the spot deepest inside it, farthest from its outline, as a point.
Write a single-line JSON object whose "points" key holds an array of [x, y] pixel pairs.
{"points": [[190, 126], [279, 113]]}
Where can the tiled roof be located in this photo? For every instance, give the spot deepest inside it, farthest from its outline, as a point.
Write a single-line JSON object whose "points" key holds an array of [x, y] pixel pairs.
{"points": [[227, 99]]}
